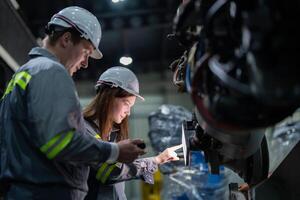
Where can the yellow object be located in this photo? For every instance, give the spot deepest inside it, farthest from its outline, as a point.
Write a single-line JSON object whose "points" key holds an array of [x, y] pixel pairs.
{"points": [[152, 192]]}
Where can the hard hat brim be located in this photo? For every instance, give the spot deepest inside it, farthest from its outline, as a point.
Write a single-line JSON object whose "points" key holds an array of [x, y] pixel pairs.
{"points": [[142, 98], [139, 96], [134, 93], [97, 54]]}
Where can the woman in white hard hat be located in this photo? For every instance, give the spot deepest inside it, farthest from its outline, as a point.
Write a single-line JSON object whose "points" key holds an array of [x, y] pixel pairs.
{"points": [[107, 119]]}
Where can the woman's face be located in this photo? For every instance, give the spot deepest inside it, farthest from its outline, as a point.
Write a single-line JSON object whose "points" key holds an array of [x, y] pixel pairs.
{"points": [[121, 108]]}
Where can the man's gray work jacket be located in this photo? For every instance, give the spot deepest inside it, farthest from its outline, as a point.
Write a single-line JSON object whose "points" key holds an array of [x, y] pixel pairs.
{"points": [[42, 136]]}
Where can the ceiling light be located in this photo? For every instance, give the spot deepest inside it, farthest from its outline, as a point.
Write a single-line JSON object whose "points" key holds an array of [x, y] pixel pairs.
{"points": [[125, 60], [117, 1]]}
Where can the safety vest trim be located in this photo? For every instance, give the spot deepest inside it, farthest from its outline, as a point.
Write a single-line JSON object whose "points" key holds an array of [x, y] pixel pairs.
{"points": [[57, 144], [104, 171], [21, 79], [100, 170], [108, 172], [97, 136]]}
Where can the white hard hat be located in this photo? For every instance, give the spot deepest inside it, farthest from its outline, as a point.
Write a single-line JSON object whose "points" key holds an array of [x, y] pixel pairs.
{"points": [[84, 22], [120, 77]]}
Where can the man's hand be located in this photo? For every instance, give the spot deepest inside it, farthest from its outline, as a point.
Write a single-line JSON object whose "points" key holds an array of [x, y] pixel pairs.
{"points": [[168, 155], [129, 151]]}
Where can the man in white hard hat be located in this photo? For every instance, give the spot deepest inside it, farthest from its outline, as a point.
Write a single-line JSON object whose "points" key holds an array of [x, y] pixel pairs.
{"points": [[45, 150]]}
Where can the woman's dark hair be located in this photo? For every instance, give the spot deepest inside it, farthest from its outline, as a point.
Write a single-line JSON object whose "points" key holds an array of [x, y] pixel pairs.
{"points": [[99, 111]]}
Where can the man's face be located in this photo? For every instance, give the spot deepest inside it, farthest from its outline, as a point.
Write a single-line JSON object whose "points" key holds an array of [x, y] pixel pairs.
{"points": [[78, 56]]}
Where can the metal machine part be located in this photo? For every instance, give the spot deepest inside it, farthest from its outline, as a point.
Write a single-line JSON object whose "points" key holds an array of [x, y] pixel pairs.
{"points": [[235, 194], [239, 79], [246, 154], [233, 78], [284, 182]]}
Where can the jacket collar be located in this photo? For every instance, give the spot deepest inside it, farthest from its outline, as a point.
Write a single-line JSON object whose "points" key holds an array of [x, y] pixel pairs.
{"points": [[39, 51]]}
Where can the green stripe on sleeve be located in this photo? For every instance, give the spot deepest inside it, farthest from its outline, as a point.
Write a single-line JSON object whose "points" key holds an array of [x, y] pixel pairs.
{"points": [[100, 171], [54, 146], [104, 178], [49, 144], [21, 79], [58, 148]]}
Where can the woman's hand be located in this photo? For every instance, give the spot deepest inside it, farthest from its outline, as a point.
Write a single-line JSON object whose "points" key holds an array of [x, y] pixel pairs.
{"points": [[167, 155]]}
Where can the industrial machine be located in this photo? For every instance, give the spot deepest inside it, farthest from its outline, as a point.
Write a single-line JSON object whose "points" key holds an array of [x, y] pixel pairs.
{"points": [[241, 70]]}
